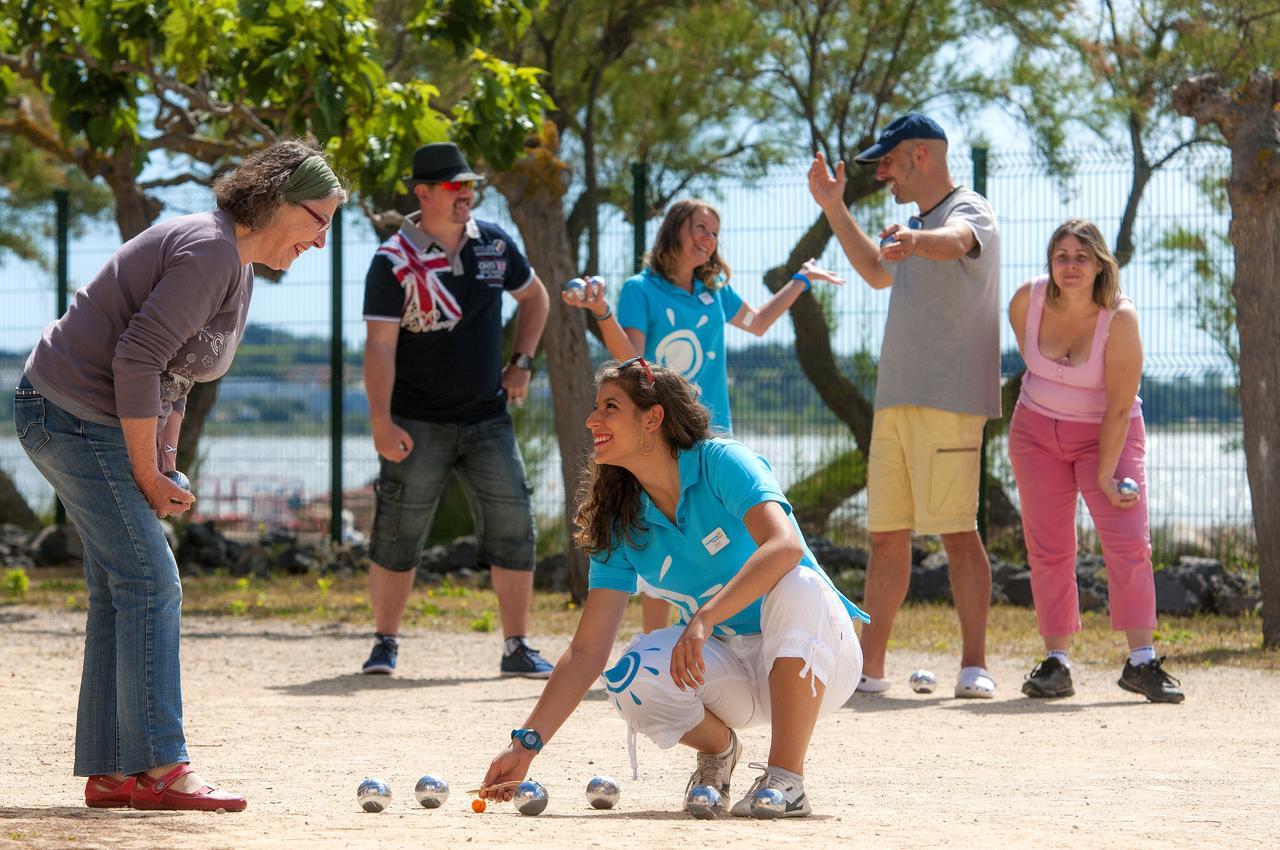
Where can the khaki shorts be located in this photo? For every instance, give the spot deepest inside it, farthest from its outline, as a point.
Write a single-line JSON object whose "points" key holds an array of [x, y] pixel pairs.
{"points": [[923, 471]]}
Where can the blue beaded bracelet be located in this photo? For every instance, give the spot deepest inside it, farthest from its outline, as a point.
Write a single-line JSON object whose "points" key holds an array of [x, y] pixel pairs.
{"points": [[808, 284]]}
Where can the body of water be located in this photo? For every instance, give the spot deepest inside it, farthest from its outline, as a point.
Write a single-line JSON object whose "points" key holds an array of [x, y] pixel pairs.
{"points": [[1196, 480]]}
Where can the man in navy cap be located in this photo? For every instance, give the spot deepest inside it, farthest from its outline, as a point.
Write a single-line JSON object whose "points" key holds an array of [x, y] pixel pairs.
{"points": [[938, 381], [438, 390]]}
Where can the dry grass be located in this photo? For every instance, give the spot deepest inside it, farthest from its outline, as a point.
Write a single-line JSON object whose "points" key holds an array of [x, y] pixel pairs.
{"points": [[1202, 640]]}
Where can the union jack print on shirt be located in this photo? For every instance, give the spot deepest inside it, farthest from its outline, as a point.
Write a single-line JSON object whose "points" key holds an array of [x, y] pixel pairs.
{"points": [[428, 305]]}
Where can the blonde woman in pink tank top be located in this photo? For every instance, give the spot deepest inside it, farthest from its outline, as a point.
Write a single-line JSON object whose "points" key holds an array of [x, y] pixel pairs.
{"points": [[1078, 431]]}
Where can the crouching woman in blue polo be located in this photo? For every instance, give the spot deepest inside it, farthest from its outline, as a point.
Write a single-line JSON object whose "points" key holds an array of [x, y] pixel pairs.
{"points": [[764, 636]]}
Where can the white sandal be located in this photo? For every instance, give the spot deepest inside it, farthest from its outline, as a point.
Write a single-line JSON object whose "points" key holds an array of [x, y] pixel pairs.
{"points": [[975, 683], [872, 685]]}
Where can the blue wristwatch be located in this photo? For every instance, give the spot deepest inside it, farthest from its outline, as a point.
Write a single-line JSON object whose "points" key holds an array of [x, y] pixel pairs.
{"points": [[528, 738]]}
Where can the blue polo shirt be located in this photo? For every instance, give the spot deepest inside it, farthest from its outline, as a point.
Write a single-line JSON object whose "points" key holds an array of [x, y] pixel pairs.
{"points": [[684, 332], [688, 562]]}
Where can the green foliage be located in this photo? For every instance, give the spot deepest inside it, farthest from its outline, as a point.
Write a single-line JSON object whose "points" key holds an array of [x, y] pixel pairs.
{"points": [[16, 583], [500, 111], [219, 78], [483, 623], [1209, 280]]}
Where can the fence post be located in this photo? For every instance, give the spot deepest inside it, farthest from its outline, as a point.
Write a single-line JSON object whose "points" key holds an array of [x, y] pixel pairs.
{"points": [[979, 155], [639, 212], [62, 206], [336, 352]]}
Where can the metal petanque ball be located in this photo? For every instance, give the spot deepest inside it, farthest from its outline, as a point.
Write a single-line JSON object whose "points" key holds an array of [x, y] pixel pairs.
{"points": [[768, 803], [178, 478], [431, 791], [530, 798], [576, 289], [923, 682], [373, 795], [1127, 487], [602, 792], [704, 802]]}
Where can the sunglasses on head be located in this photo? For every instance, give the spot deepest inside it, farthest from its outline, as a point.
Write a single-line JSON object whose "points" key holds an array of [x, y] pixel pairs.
{"points": [[648, 373], [455, 185], [320, 220]]}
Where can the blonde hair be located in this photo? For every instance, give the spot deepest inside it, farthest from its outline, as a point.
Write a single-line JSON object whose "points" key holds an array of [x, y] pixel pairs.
{"points": [[1106, 285], [663, 257]]}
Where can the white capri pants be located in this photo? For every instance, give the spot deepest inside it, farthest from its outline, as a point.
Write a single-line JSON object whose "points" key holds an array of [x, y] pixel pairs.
{"points": [[802, 617]]}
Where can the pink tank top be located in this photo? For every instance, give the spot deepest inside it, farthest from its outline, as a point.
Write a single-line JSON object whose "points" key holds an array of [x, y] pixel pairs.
{"points": [[1056, 389]]}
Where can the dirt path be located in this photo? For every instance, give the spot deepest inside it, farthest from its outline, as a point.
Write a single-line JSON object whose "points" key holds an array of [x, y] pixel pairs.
{"points": [[274, 712]]}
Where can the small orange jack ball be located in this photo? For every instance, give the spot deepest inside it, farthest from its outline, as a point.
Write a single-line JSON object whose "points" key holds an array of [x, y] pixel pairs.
{"points": [[477, 805]]}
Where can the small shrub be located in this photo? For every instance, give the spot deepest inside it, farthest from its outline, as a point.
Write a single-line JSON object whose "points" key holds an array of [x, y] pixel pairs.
{"points": [[16, 583], [483, 623]]}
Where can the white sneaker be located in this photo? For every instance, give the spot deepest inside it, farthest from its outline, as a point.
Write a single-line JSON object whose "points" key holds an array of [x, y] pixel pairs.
{"points": [[797, 802], [716, 771], [872, 685], [975, 683]]}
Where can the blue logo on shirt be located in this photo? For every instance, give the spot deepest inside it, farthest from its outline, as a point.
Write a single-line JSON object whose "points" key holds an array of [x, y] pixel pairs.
{"points": [[621, 675]]}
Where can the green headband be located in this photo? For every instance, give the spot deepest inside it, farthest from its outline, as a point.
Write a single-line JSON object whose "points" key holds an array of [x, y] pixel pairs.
{"points": [[310, 181]]}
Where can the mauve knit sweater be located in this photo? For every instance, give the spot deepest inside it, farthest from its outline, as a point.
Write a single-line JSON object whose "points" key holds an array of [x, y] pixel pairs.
{"points": [[167, 310]]}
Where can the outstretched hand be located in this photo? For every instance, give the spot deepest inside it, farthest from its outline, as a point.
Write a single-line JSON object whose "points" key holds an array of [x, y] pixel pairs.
{"points": [[509, 766], [813, 271], [827, 190]]}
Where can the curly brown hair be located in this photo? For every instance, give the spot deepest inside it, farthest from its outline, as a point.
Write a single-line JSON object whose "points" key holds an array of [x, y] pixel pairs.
{"points": [[609, 497], [662, 257], [253, 191]]}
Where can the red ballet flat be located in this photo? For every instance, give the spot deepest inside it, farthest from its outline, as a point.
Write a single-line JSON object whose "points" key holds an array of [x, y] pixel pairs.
{"points": [[155, 794], [103, 792]]}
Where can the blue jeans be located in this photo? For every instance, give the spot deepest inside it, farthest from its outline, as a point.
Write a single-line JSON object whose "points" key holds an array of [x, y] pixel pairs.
{"points": [[487, 460], [130, 715]]}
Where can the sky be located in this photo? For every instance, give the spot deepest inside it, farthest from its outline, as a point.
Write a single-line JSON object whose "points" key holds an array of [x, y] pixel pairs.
{"points": [[759, 225]]}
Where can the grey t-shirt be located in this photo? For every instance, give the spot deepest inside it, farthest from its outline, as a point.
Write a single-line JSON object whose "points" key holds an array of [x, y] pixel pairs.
{"points": [[942, 337], [165, 311]]}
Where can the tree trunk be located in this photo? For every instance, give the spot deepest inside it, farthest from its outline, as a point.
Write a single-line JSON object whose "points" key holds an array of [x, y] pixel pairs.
{"points": [[534, 188], [199, 402], [14, 509], [1249, 120], [813, 337], [1142, 171]]}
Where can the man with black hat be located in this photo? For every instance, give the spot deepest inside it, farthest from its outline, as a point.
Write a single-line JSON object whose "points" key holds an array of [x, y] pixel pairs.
{"points": [[938, 381], [438, 391]]}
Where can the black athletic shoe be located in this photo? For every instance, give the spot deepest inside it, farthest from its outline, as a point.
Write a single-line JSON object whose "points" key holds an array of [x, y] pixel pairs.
{"points": [[382, 660], [526, 662], [1049, 678], [1151, 681]]}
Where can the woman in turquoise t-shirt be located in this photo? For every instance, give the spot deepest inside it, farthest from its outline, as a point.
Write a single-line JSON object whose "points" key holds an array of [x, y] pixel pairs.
{"points": [[765, 637], [673, 314]]}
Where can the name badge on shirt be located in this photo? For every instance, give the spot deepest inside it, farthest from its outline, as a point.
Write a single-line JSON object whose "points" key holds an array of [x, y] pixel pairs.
{"points": [[715, 541], [706, 298]]}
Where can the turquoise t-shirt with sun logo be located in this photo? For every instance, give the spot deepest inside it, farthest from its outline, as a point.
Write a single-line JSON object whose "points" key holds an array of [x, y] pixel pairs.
{"points": [[684, 332], [687, 562]]}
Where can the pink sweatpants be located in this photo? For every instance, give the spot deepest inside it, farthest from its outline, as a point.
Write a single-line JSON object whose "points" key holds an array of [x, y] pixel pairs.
{"points": [[1053, 460]]}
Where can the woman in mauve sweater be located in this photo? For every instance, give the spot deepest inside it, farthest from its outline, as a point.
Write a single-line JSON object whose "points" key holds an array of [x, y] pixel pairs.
{"points": [[99, 410]]}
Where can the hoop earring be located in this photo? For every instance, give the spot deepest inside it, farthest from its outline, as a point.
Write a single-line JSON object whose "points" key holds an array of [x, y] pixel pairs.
{"points": [[646, 448]]}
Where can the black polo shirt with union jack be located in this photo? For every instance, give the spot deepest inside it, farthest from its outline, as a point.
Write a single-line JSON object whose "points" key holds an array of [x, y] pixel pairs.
{"points": [[449, 353]]}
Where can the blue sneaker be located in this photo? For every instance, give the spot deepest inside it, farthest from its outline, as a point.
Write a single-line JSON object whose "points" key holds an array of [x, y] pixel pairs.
{"points": [[525, 661], [383, 658]]}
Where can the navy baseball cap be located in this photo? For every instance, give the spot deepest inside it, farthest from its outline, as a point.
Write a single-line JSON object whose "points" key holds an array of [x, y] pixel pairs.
{"points": [[913, 125]]}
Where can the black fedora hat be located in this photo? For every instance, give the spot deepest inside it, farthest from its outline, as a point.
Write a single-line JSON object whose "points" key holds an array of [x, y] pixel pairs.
{"points": [[437, 162]]}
